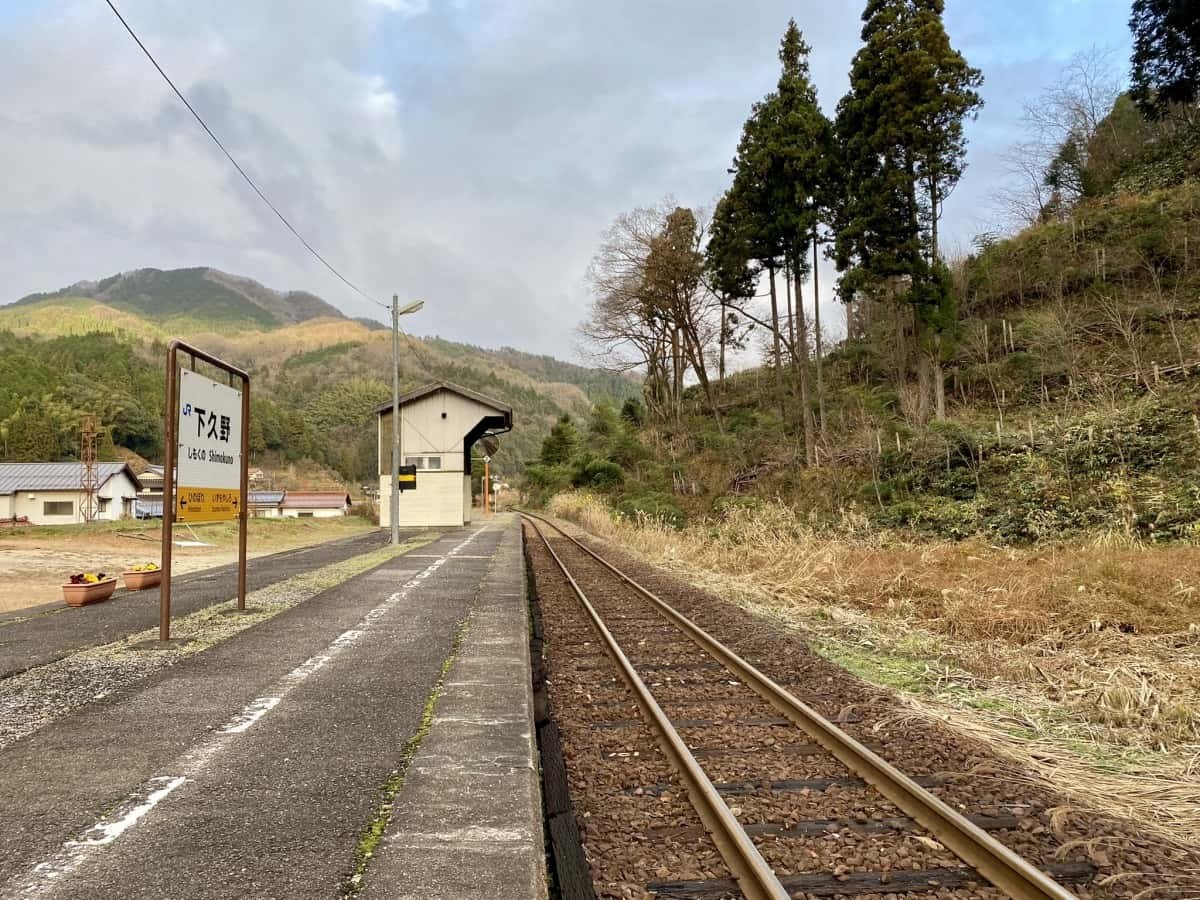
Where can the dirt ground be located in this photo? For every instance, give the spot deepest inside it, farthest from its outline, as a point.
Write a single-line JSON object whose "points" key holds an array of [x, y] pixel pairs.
{"points": [[34, 562]]}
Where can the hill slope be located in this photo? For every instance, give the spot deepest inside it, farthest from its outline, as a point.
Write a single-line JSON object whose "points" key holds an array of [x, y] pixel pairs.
{"points": [[208, 297], [1072, 380], [97, 347]]}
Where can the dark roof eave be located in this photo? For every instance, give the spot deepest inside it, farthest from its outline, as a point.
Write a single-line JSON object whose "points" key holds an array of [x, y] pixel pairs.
{"points": [[454, 389]]}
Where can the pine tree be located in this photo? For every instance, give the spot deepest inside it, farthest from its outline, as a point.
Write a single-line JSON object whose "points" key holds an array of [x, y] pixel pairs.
{"points": [[903, 148], [561, 443], [1166, 54]]}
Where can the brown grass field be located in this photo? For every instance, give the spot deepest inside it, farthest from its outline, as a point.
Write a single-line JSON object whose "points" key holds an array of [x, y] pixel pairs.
{"points": [[1081, 660]]}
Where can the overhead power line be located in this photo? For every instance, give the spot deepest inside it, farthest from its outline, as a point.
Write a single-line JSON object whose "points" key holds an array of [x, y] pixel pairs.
{"points": [[250, 181]]}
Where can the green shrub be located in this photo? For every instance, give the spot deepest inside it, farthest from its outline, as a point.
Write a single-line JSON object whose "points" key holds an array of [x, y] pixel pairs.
{"points": [[657, 506]]}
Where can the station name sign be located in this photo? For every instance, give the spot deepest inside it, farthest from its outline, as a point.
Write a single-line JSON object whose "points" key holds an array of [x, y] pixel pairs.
{"points": [[209, 462]]}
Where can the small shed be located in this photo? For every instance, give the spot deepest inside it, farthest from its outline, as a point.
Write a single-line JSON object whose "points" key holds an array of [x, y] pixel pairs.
{"points": [[52, 493], [439, 423], [314, 504]]}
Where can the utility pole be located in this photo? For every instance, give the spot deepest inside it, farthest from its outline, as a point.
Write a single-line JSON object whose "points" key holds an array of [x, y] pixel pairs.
{"points": [[487, 461], [397, 312], [89, 479], [395, 504]]}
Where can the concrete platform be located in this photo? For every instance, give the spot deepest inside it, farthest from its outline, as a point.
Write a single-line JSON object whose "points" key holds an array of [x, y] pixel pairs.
{"points": [[254, 768], [468, 822]]}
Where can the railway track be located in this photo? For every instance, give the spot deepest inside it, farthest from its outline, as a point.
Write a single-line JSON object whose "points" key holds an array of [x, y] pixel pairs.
{"points": [[729, 735]]}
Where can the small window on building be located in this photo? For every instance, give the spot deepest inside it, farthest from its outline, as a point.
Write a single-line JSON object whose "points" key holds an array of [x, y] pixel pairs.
{"points": [[58, 508], [434, 462], [102, 504], [418, 461], [304, 515]]}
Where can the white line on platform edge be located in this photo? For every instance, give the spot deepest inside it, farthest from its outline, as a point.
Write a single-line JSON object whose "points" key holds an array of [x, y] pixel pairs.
{"points": [[73, 853]]}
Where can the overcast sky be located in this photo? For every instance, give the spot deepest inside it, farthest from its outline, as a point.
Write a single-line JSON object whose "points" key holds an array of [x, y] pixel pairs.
{"points": [[470, 153]]}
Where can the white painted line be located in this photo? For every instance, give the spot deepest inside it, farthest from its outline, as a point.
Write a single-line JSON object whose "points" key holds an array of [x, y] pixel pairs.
{"points": [[73, 853], [251, 714], [108, 830]]}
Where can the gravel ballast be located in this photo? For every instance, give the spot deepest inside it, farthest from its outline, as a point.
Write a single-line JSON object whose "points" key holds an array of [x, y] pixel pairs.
{"points": [[807, 814]]}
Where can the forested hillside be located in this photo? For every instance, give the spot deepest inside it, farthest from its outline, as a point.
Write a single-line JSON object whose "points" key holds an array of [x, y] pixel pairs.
{"points": [[99, 348], [1042, 385]]}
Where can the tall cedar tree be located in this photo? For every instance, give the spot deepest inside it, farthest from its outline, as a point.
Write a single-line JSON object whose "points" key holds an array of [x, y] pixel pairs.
{"points": [[903, 151], [770, 213], [1166, 54], [804, 137], [728, 271], [757, 196]]}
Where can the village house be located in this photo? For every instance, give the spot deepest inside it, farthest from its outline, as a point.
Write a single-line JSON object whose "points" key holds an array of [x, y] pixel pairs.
{"points": [[265, 504], [52, 493], [314, 504]]}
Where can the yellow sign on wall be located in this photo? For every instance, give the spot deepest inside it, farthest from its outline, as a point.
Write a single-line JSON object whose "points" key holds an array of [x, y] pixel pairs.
{"points": [[203, 504]]}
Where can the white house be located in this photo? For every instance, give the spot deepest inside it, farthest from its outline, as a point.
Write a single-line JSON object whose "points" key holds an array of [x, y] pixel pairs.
{"points": [[51, 493], [266, 504], [314, 504], [439, 423]]}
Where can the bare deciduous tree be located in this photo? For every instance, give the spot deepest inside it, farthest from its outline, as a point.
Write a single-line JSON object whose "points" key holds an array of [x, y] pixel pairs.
{"points": [[652, 310], [1066, 116]]}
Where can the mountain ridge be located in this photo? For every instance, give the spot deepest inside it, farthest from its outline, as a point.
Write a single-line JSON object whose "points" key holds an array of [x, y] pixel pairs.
{"points": [[96, 347], [204, 292]]}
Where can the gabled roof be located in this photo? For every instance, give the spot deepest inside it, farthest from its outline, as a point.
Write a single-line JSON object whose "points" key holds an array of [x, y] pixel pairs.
{"points": [[57, 476], [436, 386], [315, 500], [266, 498]]}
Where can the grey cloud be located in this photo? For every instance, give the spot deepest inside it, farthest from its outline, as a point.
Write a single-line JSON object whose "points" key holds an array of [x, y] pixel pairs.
{"points": [[479, 174]]}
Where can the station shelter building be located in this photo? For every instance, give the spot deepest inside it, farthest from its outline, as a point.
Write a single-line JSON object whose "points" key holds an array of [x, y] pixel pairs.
{"points": [[439, 423]]}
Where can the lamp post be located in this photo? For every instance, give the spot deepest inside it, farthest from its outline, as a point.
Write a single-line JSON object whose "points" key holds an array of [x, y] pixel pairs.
{"points": [[397, 312]]}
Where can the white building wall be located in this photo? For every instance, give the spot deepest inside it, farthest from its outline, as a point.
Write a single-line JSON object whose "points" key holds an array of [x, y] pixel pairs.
{"points": [[437, 501], [434, 425], [117, 490], [314, 513]]}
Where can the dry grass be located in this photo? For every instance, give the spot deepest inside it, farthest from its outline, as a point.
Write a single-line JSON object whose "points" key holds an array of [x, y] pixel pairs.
{"points": [[1081, 660]]}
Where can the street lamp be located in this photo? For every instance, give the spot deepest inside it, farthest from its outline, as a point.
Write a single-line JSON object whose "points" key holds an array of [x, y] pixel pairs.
{"points": [[397, 312]]}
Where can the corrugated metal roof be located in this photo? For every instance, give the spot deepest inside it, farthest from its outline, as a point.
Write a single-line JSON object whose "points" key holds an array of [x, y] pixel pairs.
{"points": [[315, 499], [59, 476], [148, 509], [266, 498]]}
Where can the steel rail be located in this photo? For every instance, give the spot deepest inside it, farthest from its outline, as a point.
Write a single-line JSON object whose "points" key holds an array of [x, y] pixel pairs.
{"points": [[754, 876], [1006, 870]]}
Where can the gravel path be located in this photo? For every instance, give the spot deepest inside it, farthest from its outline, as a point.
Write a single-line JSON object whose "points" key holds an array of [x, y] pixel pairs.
{"points": [[808, 815]]}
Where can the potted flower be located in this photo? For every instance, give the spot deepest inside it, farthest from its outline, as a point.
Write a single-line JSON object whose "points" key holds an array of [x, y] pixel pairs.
{"points": [[89, 587], [139, 578]]}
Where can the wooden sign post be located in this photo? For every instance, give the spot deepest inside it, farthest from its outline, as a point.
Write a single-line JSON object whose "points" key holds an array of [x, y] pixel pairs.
{"points": [[205, 473]]}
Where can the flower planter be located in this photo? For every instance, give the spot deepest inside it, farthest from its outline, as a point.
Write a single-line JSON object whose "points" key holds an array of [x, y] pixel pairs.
{"points": [[140, 581], [81, 594]]}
